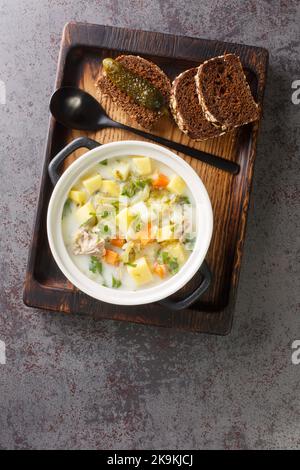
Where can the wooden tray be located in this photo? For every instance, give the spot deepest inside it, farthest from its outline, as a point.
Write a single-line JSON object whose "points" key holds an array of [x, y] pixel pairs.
{"points": [[82, 49]]}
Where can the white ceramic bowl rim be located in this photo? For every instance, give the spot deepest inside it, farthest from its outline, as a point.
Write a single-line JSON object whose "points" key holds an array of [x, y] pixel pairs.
{"points": [[203, 214]]}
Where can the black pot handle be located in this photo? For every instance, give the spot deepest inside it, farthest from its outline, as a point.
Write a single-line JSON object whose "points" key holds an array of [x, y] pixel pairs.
{"points": [[195, 295], [65, 152]]}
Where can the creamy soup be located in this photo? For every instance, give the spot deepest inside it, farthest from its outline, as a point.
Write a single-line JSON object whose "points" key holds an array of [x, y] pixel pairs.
{"points": [[128, 223]]}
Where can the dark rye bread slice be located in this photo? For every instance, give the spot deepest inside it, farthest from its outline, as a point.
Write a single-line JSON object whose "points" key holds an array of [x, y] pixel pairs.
{"points": [[224, 93], [186, 109], [145, 69]]}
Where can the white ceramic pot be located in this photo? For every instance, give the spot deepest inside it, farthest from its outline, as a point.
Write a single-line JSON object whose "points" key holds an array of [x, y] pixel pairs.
{"points": [[203, 215]]}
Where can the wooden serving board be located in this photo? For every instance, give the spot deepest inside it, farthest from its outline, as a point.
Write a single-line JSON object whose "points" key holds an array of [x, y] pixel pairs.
{"points": [[82, 49]]}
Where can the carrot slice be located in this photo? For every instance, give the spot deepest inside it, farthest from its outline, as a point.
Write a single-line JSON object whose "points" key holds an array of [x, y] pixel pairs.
{"points": [[119, 242], [161, 181], [111, 257], [160, 269]]}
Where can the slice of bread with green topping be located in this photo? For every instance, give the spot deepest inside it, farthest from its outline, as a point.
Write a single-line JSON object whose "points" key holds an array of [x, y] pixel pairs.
{"points": [[147, 70], [224, 92], [187, 112]]}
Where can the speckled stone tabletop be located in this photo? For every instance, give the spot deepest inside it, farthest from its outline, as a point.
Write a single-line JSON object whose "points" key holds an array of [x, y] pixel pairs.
{"points": [[72, 382]]}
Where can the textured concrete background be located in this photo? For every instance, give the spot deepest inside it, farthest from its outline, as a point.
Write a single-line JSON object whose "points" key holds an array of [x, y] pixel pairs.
{"points": [[71, 382]]}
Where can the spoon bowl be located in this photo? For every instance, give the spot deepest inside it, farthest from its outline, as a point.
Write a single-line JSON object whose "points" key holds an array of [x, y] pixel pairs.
{"points": [[76, 109]]}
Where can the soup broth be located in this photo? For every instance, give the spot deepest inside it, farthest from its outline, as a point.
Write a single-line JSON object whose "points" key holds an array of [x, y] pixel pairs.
{"points": [[128, 223]]}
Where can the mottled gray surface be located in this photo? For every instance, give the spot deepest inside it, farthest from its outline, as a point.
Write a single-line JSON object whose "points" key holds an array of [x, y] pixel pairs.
{"points": [[72, 382]]}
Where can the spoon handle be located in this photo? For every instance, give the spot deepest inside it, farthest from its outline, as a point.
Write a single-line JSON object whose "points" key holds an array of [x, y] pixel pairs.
{"points": [[213, 160]]}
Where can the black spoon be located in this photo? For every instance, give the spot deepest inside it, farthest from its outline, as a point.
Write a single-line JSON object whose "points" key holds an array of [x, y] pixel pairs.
{"points": [[76, 109]]}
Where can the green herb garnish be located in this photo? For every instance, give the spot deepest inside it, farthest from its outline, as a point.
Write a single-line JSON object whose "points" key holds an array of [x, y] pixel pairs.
{"points": [[105, 214], [165, 257], [142, 183], [116, 283], [95, 265], [182, 200], [132, 187], [133, 265], [129, 190], [104, 162], [189, 242], [105, 230], [172, 263]]}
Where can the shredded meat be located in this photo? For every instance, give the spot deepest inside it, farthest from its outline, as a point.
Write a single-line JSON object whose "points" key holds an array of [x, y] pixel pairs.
{"points": [[88, 243]]}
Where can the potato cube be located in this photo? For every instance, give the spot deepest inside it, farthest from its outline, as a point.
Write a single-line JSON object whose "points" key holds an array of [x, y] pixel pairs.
{"points": [[176, 185], [85, 213], [111, 188], [176, 250], [77, 196], [165, 233], [121, 171], [123, 220], [140, 272], [142, 165], [93, 183]]}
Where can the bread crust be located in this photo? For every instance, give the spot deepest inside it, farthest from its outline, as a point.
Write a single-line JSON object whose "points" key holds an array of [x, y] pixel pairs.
{"points": [[205, 97], [194, 124]]}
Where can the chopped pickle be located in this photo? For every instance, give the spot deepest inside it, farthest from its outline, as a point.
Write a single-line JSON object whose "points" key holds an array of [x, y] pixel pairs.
{"points": [[138, 88]]}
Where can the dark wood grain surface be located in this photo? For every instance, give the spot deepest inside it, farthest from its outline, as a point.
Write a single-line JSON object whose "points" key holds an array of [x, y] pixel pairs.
{"points": [[82, 48]]}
